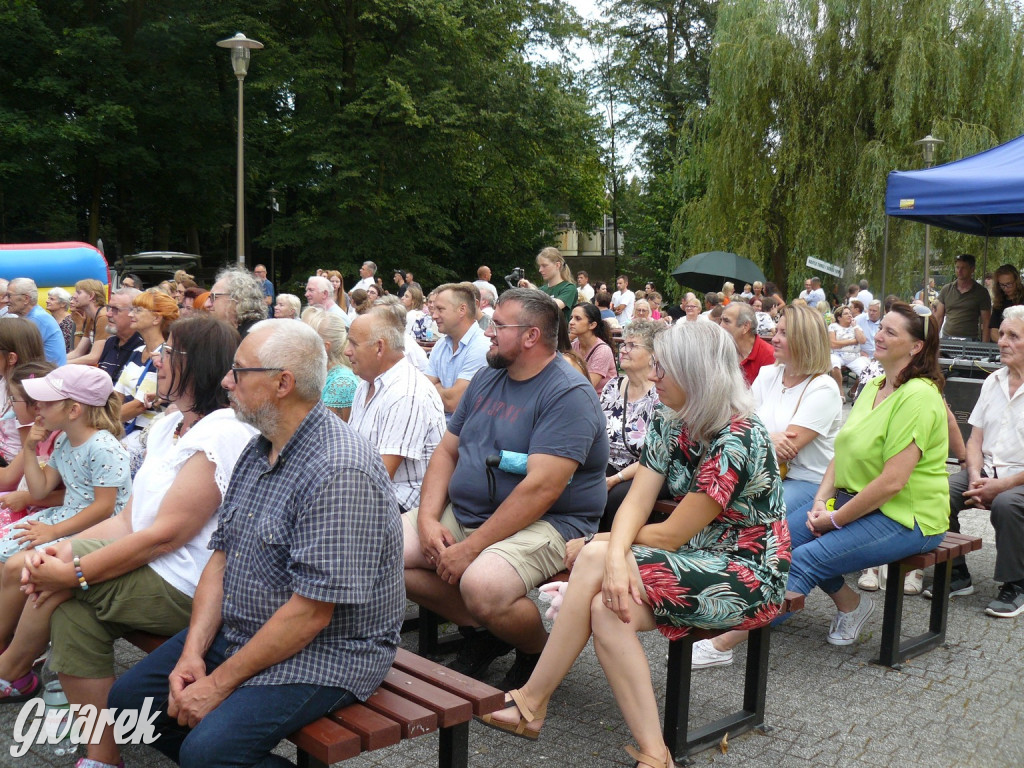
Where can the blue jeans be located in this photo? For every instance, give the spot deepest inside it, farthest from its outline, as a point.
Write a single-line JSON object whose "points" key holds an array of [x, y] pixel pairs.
{"points": [[867, 542], [798, 493], [246, 726]]}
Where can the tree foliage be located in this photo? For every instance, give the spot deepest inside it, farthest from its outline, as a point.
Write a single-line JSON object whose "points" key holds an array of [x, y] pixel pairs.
{"points": [[813, 103], [415, 133]]}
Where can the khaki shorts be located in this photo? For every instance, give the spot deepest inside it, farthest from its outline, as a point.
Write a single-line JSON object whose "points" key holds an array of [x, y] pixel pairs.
{"points": [[536, 553], [83, 629]]}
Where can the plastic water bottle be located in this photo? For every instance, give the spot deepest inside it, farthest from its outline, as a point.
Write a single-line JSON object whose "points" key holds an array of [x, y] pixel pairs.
{"points": [[430, 333], [58, 719]]}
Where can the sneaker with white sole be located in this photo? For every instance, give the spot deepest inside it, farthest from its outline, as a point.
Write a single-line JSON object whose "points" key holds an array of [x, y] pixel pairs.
{"points": [[959, 584], [846, 626], [1009, 603], [868, 580], [706, 655]]}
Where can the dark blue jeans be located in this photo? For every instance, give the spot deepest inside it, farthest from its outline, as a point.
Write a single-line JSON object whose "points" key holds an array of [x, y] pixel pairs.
{"points": [[243, 730], [867, 542]]}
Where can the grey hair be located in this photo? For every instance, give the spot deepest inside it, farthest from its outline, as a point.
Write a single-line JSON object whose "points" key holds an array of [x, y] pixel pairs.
{"points": [[746, 314], [877, 303], [297, 348], [322, 284], [388, 324], [643, 332], [131, 293], [714, 386], [1016, 312], [489, 292], [292, 301], [332, 329], [245, 292], [641, 302], [24, 285], [864, 284], [371, 266], [60, 295], [537, 308]]}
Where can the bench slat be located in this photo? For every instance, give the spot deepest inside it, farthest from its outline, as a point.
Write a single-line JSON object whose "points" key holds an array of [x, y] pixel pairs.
{"points": [[450, 709], [374, 729], [326, 741], [415, 720], [483, 697]]}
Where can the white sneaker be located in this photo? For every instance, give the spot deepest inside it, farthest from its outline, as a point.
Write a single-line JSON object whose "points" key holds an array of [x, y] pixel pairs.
{"points": [[868, 580], [914, 583], [706, 655], [846, 626]]}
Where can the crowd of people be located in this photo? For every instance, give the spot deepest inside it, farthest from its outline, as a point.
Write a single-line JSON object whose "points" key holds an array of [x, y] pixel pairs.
{"points": [[266, 491]]}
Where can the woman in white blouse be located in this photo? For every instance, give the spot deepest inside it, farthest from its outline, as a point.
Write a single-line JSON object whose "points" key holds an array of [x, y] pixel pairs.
{"points": [[799, 402]]}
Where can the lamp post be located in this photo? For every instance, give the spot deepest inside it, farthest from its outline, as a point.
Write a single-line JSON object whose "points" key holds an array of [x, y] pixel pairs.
{"points": [[928, 145], [240, 47]]}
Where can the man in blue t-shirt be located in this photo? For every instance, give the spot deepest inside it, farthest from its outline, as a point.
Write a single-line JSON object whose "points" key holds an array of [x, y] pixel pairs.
{"points": [[486, 534], [23, 299]]}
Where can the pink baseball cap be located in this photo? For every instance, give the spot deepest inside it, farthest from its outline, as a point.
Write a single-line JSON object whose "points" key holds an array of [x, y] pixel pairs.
{"points": [[80, 383]]}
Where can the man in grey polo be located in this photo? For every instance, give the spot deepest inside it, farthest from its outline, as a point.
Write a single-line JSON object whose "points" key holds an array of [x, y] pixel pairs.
{"points": [[963, 304], [299, 608]]}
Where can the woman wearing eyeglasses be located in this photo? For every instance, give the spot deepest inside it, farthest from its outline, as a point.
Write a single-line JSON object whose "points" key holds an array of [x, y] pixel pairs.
{"points": [[142, 565], [1009, 292], [718, 561], [885, 494]]}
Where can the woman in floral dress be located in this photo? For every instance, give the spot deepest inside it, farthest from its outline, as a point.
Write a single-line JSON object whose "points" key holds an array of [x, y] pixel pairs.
{"points": [[720, 560]]}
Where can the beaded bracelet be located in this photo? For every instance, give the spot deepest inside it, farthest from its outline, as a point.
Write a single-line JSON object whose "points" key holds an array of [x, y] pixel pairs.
{"points": [[832, 517], [78, 572]]}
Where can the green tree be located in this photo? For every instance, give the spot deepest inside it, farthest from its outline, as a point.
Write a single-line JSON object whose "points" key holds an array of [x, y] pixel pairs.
{"points": [[813, 103]]}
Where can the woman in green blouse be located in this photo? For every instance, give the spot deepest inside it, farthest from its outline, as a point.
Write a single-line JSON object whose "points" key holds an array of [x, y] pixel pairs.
{"points": [[558, 282]]}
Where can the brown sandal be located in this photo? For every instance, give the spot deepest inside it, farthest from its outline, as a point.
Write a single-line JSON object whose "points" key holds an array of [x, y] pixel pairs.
{"points": [[526, 716], [653, 762]]}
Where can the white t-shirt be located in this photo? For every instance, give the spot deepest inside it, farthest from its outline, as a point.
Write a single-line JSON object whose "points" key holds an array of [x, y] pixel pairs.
{"points": [[138, 380], [221, 436], [587, 291], [820, 409], [865, 298], [1002, 419], [626, 297], [365, 283]]}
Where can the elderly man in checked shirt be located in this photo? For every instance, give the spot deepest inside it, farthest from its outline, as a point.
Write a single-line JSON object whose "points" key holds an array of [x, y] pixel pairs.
{"points": [[299, 609]]}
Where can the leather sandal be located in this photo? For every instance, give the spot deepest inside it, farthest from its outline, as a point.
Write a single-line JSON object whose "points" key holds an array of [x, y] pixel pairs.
{"points": [[526, 716], [653, 762]]}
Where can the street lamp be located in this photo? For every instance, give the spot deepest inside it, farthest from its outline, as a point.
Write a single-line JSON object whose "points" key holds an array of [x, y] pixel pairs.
{"points": [[240, 46], [928, 145]]}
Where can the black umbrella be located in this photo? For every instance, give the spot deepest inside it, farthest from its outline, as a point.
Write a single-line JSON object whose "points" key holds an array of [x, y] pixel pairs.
{"points": [[707, 271]]}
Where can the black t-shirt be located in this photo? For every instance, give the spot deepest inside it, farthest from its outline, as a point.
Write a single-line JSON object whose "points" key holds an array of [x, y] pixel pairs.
{"points": [[116, 355], [675, 312]]}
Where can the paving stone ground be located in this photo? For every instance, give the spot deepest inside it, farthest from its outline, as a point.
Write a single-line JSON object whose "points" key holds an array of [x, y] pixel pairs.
{"points": [[958, 705]]}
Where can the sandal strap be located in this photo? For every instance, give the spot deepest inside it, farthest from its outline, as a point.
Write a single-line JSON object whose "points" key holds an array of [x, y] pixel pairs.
{"points": [[525, 712], [640, 757]]}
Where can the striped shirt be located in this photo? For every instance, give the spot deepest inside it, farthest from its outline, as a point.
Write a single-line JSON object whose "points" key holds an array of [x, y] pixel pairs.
{"points": [[405, 417], [322, 523]]}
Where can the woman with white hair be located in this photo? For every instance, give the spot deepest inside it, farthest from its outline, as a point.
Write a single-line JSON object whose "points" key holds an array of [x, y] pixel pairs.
{"points": [[340, 387], [720, 560], [58, 304], [287, 306]]}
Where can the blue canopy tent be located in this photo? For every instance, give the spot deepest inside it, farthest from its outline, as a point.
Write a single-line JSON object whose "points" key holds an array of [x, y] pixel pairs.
{"points": [[981, 195]]}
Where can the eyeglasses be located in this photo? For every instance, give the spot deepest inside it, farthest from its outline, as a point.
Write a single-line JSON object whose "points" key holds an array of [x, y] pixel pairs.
{"points": [[659, 371], [629, 346], [135, 310], [1005, 285], [493, 326], [235, 371], [215, 296], [924, 313], [112, 310], [167, 349]]}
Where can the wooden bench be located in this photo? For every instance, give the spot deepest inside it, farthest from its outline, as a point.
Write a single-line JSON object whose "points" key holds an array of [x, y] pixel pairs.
{"points": [[895, 651], [416, 698]]}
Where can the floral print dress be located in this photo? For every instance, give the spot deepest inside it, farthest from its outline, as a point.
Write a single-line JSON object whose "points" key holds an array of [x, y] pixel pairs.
{"points": [[732, 574], [626, 440]]}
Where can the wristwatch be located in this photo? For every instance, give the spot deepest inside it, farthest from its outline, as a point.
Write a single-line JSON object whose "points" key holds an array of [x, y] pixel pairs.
{"points": [[588, 538]]}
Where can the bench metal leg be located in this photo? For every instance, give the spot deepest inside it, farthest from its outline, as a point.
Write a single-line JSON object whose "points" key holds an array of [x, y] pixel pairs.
{"points": [[430, 642], [893, 652], [453, 751], [306, 760], [678, 737]]}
